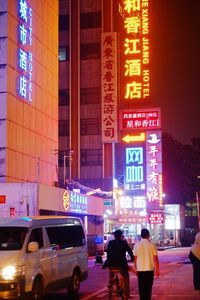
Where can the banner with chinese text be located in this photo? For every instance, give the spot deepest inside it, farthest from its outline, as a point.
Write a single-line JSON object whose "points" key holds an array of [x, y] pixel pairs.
{"points": [[154, 170], [109, 87]]}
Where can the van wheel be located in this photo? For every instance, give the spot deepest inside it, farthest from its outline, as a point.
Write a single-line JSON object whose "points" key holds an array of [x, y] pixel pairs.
{"points": [[37, 289], [74, 286]]}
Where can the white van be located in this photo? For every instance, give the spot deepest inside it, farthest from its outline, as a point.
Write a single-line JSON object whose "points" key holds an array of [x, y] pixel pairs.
{"points": [[41, 254]]}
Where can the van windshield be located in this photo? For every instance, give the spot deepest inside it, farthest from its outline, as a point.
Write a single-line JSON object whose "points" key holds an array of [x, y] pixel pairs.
{"points": [[12, 238]]}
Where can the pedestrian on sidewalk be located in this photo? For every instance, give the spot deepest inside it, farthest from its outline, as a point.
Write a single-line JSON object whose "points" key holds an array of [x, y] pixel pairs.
{"points": [[194, 256], [145, 261]]}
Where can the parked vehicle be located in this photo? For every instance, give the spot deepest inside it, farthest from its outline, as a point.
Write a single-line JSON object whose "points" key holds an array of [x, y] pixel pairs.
{"points": [[41, 254]]}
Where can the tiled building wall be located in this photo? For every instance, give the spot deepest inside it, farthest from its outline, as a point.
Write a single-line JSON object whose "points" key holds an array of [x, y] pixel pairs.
{"points": [[31, 129]]}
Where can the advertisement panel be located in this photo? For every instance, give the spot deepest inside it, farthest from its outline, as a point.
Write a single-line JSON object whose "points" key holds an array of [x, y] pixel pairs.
{"points": [[172, 216], [135, 57], [109, 87], [140, 119], [25, 55], [154, 170], [135, 174]]}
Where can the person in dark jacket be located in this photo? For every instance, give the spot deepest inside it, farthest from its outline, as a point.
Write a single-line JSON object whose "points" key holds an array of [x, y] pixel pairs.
{"points": [[194, 256], [116, 258]]}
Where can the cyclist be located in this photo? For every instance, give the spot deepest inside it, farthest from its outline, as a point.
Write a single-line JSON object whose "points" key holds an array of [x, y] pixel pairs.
{"points": [[116, 258]]}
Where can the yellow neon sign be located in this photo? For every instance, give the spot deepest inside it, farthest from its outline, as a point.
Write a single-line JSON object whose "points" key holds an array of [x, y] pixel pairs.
{"points": [[134, 138], [136, 49]]}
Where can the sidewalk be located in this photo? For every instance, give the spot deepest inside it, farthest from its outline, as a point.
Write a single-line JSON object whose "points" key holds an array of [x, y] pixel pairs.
{"points": [[176, 284]]}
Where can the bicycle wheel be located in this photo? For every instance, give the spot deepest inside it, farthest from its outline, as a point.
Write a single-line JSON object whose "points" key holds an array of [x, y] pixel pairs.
{"points": [[115, 290]]}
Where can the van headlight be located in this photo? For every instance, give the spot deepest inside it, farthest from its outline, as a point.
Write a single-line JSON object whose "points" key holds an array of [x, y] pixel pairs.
{"points": [[11, 272]]}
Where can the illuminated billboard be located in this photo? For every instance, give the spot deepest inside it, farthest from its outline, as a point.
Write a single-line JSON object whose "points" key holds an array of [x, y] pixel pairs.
{"points": [[135, 57], [131, 209], [154, 170], [25, 56], [109, 87], [156, 218], [140, 119], [172, 216], [135, 168]]}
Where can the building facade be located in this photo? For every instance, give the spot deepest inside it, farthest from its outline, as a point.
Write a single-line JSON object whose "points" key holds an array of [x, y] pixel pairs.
{"points": [[108, 128], [28, 91], [79, 90]]}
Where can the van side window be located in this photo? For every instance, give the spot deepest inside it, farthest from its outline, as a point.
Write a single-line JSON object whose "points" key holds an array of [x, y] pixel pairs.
{"points": [[66, 236], [36, 236]]}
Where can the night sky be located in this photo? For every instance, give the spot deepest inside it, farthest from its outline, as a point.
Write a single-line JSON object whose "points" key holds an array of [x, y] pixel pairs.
{"points": [[175, 52]]}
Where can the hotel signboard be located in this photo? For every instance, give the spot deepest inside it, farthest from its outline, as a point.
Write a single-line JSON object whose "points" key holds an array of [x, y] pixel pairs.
{"points": [[135, 58]]}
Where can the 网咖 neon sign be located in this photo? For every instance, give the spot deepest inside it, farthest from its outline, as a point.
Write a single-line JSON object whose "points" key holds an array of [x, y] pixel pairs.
{"points": [[134, 168]]}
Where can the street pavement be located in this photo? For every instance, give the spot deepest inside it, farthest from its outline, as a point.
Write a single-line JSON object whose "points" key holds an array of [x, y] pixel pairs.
{"points": [[174, 283]]}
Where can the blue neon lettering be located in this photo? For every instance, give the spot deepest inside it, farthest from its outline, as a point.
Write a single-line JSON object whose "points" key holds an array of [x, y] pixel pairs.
{"points": [[134, 155], [22, 60], [23, 10], [22, 86], [23, 34], [134, 174]]}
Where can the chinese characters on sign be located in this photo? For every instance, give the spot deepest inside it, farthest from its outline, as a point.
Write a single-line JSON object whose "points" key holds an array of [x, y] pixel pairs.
{"points": [[134, 169], [140, 119], [109, 87], [74, 202], [154, 170], [25, 57], [135, 46], [156, 218], [131, 209]]}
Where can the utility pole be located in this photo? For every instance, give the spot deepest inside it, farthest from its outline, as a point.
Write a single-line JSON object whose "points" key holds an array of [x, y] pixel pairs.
{"points": [[65, 156], [71, 152]]}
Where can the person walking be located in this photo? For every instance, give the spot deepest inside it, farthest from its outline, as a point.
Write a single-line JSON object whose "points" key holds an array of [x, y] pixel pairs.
{"points": [[145, 262], [194, 256], [116, 258]]}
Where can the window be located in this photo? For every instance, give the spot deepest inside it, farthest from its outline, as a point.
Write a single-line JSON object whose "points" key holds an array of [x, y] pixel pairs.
{"points": [[191, 209], [90, 51], [63, 53], [63, 129], [90, 95], [66, 236], [61, 159], [63, 97], [12, 238], [63, 22], [90, 126], [36, 236], [90, 20], [91, 157]]}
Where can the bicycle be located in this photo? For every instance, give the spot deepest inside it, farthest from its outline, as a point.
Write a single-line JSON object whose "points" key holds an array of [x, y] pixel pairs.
{"points": [[115, 285]]}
